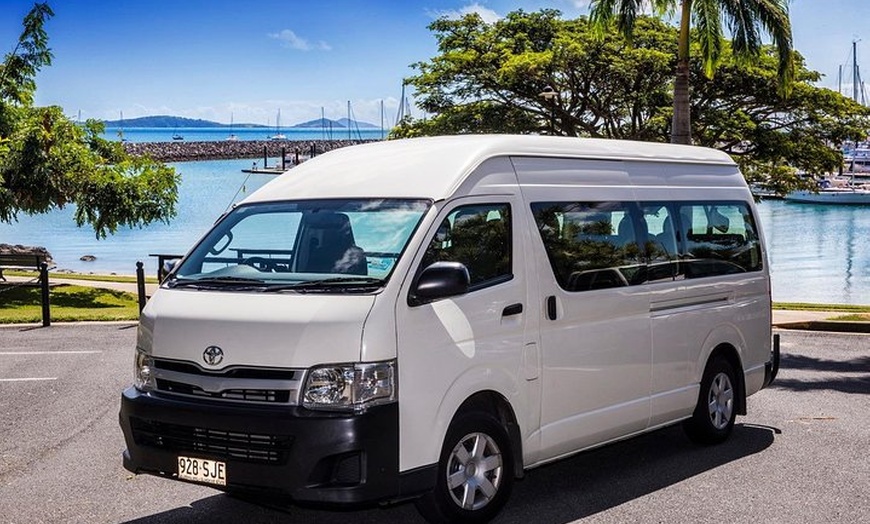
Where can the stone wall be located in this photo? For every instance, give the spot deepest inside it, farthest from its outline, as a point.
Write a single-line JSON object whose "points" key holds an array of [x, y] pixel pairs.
{"points": [[230, 149]]}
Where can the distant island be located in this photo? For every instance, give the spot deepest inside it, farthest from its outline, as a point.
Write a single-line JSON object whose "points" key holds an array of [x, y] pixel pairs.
{"points": [[178, 121], [334, 124]]}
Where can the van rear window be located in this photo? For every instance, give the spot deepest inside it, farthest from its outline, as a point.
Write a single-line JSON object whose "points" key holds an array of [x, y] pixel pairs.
{"points": [[598, 245]]}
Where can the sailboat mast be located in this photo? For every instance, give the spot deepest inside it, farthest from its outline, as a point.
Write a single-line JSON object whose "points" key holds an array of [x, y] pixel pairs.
{"points": [[855, 70], [840, 79], [400, 114], [348, 120]]}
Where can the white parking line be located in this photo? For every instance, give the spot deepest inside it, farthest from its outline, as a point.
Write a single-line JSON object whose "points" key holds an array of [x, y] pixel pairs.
{"points": [[26, 379], [48, 352]]}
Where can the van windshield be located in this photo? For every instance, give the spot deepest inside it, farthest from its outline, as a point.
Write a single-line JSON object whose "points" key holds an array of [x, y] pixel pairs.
{"points": [[350, 244]]}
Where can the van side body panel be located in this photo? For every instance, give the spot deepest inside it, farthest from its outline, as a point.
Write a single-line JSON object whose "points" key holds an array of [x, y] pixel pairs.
{"points": [[638, 352], [452, 348], [596, 353]]}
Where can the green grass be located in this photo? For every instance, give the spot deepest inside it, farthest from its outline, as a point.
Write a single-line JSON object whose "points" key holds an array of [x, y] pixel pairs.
{"points": [[68, 304], [799, 306], [855, 317], [52, 276]]}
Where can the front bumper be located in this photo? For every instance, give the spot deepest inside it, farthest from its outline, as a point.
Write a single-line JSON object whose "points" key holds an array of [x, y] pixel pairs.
{"points": [[289, 452]]}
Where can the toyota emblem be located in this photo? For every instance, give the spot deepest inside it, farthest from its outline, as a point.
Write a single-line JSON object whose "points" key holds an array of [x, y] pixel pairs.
{"points": [[213, 355]]}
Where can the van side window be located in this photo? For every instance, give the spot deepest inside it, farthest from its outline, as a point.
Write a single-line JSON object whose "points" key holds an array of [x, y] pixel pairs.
{"points": [[662, 245], [478, 236], [591, 245], [720, 239]]}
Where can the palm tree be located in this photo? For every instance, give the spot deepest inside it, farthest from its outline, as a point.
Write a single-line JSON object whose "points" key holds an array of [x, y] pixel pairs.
{"points": [[745, 18]]}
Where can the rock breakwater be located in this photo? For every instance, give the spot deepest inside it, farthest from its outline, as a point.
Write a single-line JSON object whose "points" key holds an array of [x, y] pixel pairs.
{"points": [[232, 149]]}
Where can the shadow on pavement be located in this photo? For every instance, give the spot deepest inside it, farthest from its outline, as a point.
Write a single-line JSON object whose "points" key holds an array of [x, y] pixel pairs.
{"points": [[853, 375], [803, 362], [858, 385], [562, 492]]}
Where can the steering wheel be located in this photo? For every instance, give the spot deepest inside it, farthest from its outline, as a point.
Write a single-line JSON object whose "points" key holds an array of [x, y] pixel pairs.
{"points": [[261, 264]]}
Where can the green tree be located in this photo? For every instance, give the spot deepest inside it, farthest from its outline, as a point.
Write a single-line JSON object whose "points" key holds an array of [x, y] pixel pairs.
{"points": [[746, 20], [741, 112], [47, 161], [487, 78]]}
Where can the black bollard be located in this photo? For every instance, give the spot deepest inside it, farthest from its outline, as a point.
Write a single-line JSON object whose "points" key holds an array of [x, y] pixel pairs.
{"points": [[43, 283], [265, 158], [283, 159], [140, 285]]}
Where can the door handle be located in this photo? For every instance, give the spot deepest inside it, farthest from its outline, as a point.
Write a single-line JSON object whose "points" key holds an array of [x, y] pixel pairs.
{"points": [[513, 309], [551, 307]]}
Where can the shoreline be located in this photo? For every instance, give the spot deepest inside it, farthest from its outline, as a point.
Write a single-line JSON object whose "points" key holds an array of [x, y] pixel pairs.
{"points": [[234, 149]]}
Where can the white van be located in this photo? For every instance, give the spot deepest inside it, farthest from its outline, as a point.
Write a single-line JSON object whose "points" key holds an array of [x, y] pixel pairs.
{"points": [[432, 317]]}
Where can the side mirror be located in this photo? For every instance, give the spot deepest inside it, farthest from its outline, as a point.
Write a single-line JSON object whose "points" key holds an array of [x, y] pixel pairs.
{"points": [[440, 280], [168, 266]]}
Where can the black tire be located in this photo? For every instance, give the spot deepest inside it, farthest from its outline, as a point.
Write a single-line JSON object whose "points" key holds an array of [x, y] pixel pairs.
{"points": [[487, 469], [714, 415]]}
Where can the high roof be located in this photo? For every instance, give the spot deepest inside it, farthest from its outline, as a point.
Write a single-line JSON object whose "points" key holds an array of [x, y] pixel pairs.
{"points": [[433, 167]]}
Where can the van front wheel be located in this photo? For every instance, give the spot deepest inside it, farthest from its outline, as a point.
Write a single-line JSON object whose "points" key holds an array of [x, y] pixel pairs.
{"points": [[713, 419], [475, 472]]}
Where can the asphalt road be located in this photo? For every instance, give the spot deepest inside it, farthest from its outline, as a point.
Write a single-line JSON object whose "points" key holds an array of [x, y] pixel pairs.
{"points": [[801, 455]]}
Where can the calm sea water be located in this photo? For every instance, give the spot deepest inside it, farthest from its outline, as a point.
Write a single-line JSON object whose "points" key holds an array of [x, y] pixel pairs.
{"points": [[203, 134], [817, 253]]}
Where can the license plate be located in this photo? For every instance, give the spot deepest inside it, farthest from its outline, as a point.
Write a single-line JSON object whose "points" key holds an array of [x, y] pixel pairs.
{"points": [[200, 470]]}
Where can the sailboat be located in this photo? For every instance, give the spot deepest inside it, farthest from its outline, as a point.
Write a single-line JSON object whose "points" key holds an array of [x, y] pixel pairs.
{"points": [[121, 127], [232, 137], [176, 135], [278, 135], [842, 190]]}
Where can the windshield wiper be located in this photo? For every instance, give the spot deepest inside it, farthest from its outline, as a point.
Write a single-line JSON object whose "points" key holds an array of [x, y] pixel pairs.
{"points": [[225, 281], [334, 282]]}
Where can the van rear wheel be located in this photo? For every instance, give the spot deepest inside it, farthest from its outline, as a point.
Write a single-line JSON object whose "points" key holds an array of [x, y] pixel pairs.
{"points": [[475, 472], [714, 415]]}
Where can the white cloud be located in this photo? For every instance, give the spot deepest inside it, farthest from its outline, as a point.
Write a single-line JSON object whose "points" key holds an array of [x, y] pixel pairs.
{"points": [[488, 15], [291, 40]]}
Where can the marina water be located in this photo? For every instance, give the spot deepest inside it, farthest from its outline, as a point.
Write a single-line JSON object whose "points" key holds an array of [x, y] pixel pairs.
{"points": [[212, 134], [817, 253]]}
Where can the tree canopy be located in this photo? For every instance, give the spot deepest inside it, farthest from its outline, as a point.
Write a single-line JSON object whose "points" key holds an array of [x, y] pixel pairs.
{"points": [[489, 78], [746, 19], [48, 161]]}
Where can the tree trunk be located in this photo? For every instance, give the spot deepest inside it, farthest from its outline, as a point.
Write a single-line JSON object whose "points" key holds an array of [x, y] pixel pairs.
{"points": [[681, 127]]}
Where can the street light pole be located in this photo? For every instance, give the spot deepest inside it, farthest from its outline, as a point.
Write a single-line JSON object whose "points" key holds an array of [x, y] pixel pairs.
{"points": [[550, 95]]}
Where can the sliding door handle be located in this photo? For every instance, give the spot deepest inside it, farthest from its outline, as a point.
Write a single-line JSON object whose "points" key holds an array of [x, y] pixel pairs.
{"points": [[513, 309], [551, 307]]}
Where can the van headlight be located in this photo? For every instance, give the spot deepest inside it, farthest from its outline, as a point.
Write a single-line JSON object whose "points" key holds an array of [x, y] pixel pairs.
{"points": [[143, 370], [350, 386]]}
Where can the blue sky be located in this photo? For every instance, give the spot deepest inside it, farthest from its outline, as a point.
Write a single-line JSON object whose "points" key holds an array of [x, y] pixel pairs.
{"points": [[248, 58]]}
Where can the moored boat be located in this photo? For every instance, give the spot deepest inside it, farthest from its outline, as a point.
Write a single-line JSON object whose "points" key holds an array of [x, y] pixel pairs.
{"points": [[831, 195]]}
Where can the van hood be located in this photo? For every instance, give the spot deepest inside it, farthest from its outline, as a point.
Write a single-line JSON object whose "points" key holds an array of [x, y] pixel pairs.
{"points": [[254, 329]]}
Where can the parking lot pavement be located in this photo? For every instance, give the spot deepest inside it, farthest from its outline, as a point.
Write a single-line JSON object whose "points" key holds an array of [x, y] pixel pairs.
{"points": [[799, 456]]}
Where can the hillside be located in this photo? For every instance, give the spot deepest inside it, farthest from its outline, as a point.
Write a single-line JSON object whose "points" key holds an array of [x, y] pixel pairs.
{"points": [[178, 121], [341, 123]]}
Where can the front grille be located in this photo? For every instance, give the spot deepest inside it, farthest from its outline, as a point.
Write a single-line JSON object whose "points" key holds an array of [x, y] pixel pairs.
{"points": [[239, 372], [238, 384], [247, 395], [249, 447]]}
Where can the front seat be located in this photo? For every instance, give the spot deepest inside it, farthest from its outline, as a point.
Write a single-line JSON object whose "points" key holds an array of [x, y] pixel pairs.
{"points": [[330, 245]]}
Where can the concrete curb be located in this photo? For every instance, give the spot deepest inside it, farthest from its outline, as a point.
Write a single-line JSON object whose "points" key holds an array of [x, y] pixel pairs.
{"points": [[837, 326]]}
